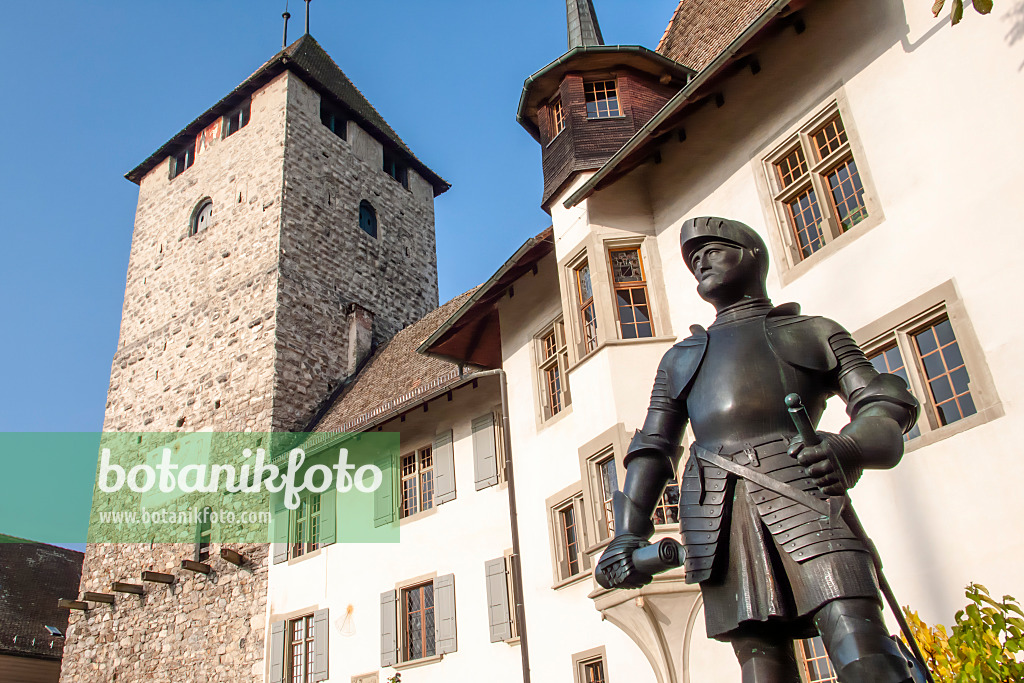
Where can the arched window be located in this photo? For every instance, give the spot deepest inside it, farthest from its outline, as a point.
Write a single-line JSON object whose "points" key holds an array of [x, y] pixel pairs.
{"points": [[367, 218], [201, 217]]}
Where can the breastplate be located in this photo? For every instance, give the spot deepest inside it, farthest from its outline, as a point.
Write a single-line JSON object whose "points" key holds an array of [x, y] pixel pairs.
{"points": [[738, 394]]}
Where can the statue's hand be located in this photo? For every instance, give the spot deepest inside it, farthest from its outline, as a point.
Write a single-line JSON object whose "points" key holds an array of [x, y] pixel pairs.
{"points": [[833, 464], [615, 568]]}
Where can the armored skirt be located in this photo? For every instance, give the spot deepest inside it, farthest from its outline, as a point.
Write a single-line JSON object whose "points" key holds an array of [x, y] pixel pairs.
{"points": [[760, 557]]}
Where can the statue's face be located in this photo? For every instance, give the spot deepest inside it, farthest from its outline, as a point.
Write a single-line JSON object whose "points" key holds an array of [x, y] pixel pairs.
{"points": [[724, 272]]}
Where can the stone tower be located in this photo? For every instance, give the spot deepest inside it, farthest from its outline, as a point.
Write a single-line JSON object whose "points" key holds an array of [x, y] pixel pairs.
{"points": [[586, 104], [277, 236]]}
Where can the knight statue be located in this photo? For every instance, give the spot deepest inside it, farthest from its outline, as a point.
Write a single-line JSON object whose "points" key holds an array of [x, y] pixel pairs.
{"points": [[765, 520]]}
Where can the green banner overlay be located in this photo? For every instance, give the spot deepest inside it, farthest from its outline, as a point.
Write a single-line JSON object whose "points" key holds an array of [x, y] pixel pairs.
{"points": [[200, 487]]}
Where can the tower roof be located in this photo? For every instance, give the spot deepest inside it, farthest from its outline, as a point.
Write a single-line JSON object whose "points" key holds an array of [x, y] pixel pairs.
{"points": [[582, 21], [310, 62]]}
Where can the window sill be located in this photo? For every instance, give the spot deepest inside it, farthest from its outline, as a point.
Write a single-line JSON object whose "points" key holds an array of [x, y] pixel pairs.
{"points": [[620, 342], [552, 140], [575, 578], [512, 642], [419, 515], [788, 273], [928, 438], [607, 118], [547, 422], [412, 664], [305, 556]]}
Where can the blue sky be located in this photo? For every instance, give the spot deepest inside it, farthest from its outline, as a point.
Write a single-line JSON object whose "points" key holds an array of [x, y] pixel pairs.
{"points": [[91, 89]]}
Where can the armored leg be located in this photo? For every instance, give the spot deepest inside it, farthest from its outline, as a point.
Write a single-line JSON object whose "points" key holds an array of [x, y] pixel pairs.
{"points": [[765, 659], [858, 643]]}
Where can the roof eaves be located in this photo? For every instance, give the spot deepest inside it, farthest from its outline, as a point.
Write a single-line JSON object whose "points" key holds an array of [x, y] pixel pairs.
{"points": [[481, 292], [681, 99]]}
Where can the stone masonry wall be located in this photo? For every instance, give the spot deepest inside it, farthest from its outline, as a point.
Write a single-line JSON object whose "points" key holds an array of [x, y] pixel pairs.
{"points": [[201, 628], [196, 351], [197, 327], [328, 261]]}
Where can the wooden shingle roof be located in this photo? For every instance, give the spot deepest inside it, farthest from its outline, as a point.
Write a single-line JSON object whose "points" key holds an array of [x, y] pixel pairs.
{"points": [[701, 29]]}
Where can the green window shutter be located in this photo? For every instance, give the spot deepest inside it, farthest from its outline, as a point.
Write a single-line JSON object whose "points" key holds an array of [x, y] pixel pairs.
{"points": [[281, 527], [498, 612], [277, 652], [485, 452], [388, 628], [329, 516], [444, 468], [444, 604], [384, 497], [320, 632]]}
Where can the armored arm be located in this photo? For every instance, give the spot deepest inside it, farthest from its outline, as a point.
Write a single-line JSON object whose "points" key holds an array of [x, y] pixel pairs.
{"points": [[650, 462], [881, 410]]}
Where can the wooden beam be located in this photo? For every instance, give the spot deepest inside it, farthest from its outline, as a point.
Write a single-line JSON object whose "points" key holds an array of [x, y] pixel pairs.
{"points": [[72, 604], [194, 566], [232, 556], [158, 577], [122, 587], [98, 597]]}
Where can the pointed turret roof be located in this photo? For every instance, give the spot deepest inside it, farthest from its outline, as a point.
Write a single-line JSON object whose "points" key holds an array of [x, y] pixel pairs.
{"points": [[583, 27]]}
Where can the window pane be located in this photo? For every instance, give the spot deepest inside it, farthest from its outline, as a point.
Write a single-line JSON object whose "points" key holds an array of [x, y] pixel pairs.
{"points": [[948, 378], [805, 218], [601, 98], [891, 360], [626, 266], [817, 667], [792, 166], [829, 138], [847, 194], [667, 510], [567, 518], [584, 290]]}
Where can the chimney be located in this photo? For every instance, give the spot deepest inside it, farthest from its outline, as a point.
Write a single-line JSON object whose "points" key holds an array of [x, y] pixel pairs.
{"points": [[360, 336]]}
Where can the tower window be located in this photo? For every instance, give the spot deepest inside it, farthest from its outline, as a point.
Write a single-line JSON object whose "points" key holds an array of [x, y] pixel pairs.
{"points": [[367, 218], [201, 217], [396, 168], [602, 99], [333, 118], [204, 533], [557, 117], [237, 119], [183, 160]]}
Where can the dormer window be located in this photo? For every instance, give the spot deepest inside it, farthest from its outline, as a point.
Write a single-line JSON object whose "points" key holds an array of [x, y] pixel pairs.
{"points": [[334, 119], [237, 119], [602, 99], [396, 168], [183, 160]]}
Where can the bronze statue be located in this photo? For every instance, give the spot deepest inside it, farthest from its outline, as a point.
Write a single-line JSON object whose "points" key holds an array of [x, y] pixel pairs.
{"points": [[766, 525]]}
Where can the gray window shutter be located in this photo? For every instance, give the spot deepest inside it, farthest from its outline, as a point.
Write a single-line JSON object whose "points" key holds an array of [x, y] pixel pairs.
{"points": [[320, 632], [444, 603], [498, 613], [277, 652], [389, 628], [280, 530], [384, 497], [444, 468], [485, 452], [329, 516]]}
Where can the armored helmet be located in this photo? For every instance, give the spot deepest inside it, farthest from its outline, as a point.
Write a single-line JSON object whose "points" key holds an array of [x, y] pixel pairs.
{"points": [[697, 231]]}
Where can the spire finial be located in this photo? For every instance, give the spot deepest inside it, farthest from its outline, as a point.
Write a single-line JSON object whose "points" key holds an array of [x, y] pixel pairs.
{"points": [[583, 26], [307, 17]]}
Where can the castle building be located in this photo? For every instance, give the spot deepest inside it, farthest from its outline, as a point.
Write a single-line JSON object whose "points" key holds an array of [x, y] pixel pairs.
{"points": [[833, 129]]}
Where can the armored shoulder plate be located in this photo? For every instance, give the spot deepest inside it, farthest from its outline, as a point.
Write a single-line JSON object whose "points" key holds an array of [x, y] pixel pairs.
{"points": [[680, 363], [801, 340]]}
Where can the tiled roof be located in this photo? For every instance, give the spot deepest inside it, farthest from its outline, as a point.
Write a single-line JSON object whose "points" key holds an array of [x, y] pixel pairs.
{"points": [[396, 375], [312, 63], [32, 577], [701, 29]]}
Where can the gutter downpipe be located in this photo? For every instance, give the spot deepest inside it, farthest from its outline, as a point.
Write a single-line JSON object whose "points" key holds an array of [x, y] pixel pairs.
{"points": [[677, 101], [517, 570]]}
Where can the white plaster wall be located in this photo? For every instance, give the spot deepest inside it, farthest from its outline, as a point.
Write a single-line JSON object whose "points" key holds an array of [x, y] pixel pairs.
{"points": [[457, 537]]}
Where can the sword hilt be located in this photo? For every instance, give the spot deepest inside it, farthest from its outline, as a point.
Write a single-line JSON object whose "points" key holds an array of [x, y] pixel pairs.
{"points": [[802, 420]]}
